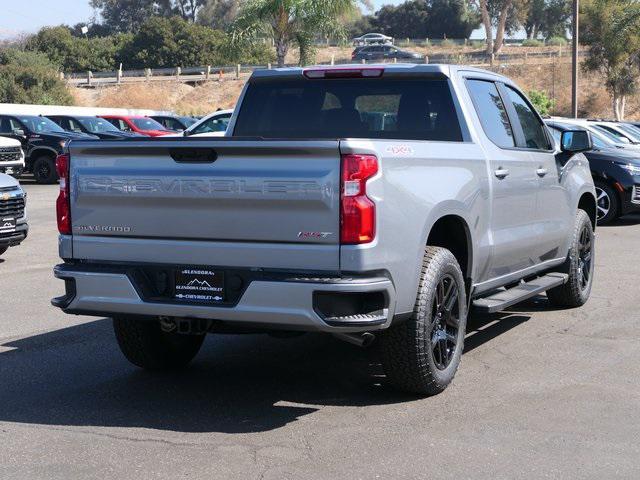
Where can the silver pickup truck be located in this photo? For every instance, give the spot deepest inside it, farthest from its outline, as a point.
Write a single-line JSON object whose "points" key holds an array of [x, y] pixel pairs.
{"points": [[374, 203]]}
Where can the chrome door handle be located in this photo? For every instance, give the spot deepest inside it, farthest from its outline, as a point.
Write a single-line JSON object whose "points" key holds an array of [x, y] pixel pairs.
{"points": [[501, 173], [541, 172]]}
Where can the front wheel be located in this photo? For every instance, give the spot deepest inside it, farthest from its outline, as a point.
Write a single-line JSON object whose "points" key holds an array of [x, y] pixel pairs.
{"points": [[44, 170], [422, 354], [579, 266], [146, 345], [607, 203]]}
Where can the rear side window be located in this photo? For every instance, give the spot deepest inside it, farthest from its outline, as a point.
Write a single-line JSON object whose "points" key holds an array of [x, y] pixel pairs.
{"points": [[411, 109], [492, 112], [532, 128]]}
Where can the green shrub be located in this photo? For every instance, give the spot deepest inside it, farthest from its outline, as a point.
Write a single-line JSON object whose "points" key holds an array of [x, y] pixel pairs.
{"points": [[446, 43], [29, 77], [557, 41], [541, 101], [532, 42], [478, 44]]}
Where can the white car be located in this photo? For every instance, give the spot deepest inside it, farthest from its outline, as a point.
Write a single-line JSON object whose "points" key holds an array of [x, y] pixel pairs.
{"points": [[372, 39], [214, 125], [620, 130], [603, 135], [11, 157]]}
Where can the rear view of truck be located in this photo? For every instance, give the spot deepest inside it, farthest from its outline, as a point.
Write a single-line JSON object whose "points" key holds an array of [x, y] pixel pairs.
{"points": [[303, 218]]}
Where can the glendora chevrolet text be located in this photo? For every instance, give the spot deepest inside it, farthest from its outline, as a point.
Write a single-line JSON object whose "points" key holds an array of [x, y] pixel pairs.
{"points": [[376, 203]]}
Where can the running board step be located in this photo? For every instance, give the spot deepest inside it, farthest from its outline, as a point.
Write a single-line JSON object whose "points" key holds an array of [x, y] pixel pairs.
{"points": [[506, 298]]}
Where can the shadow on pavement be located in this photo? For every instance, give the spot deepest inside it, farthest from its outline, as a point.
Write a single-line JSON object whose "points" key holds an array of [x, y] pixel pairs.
{"points": [[627, 220], [237, 384]]}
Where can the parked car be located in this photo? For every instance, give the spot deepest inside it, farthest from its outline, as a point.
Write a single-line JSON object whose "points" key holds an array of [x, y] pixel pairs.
{"points": [[597, 132], [13, 216], [42, 140], [11, 157], [138, 124], [624, 133], [214, 125], [174, 122], [616, 173], [99, 127], [371, 39], [383, 52], [307, 218]]}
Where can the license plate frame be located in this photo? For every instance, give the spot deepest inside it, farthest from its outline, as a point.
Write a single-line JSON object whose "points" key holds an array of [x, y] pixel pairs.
{"points": [[8, 224], [199, 284]]}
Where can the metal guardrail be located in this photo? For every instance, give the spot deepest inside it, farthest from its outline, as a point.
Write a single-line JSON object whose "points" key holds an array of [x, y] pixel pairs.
{"points": [[200, 74]]}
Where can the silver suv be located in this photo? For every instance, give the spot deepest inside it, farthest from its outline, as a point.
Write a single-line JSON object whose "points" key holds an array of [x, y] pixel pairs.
{"points": [[372, 203]]}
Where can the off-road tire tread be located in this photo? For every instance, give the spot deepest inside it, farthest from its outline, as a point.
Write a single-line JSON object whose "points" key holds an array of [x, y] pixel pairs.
{"points": [[404, 357], [570, 294]]}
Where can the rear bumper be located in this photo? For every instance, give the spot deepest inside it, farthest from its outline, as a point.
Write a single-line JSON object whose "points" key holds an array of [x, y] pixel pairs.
{"points": [[295, 303]]}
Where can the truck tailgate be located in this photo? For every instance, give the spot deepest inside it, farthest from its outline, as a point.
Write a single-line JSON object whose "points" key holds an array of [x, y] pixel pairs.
{"points": [[228, 202]]}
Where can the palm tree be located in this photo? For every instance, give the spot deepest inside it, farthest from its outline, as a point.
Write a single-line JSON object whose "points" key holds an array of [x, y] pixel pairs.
{"points": [[288, 22]]}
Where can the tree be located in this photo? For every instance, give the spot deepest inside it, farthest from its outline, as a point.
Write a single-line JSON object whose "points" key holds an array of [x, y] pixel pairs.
{"points": [[29, 77], [174, 42], [288, 22], [505, 15], [70, 53], [547, 17], [428, 19], [129, 15], [219, 14], [611, 29]]}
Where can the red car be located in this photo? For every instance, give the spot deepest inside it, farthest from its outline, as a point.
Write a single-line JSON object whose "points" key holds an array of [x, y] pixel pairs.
{"points": [[139, 124]]}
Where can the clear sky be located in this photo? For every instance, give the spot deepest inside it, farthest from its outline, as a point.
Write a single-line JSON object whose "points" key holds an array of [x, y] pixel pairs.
{"points": [[29, 15]]}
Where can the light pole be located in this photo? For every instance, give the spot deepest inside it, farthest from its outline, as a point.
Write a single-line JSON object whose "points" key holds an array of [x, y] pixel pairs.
{"points": [[574, 62]]}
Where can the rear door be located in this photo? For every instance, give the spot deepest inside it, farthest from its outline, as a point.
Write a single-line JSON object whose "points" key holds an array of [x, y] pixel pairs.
{"points": [[269, 204], [514, 184]]}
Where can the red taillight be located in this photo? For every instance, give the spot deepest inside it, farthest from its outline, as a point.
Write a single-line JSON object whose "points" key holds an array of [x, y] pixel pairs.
{"points": [[357, 211], [63, 203]]}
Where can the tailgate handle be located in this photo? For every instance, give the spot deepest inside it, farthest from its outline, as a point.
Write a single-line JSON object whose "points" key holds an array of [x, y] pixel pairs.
{"points": [[193, 155]]}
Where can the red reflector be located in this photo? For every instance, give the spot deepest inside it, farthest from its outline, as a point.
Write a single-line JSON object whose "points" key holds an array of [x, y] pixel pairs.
{"points": [[63, 203], [343, 73], [357, 211]]}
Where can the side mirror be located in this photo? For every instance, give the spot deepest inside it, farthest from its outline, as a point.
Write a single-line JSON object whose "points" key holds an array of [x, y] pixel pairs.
{"points": [[19, 132], [624, 140], [576, 141]]}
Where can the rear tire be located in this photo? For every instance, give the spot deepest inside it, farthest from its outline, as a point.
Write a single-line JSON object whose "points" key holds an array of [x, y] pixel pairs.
{"points": [[147, 346], [607, 203], [579, 266], [422, 354], [44, 170]]}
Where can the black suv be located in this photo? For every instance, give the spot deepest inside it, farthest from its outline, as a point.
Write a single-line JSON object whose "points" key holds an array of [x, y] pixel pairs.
{"points": [[42, 141], [174, 122], [99, 127], [616, 174], [383, 52]]}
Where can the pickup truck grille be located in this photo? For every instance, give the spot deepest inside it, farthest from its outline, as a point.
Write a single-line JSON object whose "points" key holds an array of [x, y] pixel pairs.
{"points": [[13, 207], [9, 154], [635, 196]]}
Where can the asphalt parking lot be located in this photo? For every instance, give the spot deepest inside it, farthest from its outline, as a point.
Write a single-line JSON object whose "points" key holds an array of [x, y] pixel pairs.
{"points": [[540, 393]]}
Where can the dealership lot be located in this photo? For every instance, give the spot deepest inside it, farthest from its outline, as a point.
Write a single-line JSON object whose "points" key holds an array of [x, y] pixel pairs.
{"points": [[541, 394]]}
